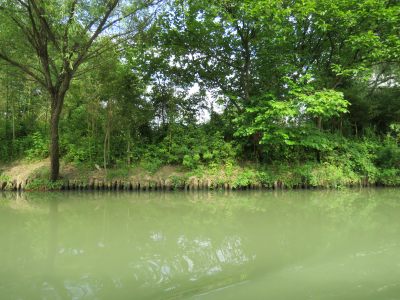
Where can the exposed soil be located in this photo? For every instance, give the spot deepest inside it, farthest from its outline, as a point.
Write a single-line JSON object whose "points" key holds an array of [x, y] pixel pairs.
{"points": [[20, 171]]}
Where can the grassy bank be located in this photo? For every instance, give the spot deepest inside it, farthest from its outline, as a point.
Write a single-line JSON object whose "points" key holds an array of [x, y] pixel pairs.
{"points": [[34, 176]]}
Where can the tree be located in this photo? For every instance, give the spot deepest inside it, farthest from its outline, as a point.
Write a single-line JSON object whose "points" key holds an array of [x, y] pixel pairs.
{"points": [[63, 35]]}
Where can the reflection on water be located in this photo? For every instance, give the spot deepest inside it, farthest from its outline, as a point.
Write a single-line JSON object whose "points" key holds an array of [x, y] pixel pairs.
{"points": [[257, 245]]}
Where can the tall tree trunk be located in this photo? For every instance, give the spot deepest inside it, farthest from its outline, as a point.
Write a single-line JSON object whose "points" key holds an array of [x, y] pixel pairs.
{"points": [[355, 125], [318, 152], [13, 128], [13, 120], [7, 115], [128, 150], [90, 138], [105, 150], [56, 106], [246, 71]]}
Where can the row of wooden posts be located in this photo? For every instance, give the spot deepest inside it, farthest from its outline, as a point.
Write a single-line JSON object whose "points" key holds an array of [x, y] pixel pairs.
{"points": [[144, 185], [147, 185], [152, 185]]}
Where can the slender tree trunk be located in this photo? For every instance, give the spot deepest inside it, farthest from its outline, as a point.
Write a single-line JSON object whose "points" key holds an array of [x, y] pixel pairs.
{"points": [[319, 123], [109, 145], [109, 122], [45, 118], [105, 150], [355, 125], [246, 71], [13, 127], [90, 139], [6, 123], [128, 150], [318, 152], [107, 136], [13, 119]]}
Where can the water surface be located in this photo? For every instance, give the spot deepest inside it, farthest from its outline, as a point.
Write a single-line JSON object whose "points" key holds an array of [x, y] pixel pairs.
{"points": [[242, 245]]}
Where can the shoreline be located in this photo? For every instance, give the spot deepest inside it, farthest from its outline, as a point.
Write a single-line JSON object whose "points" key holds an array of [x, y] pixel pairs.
{"points": [[34, 177], [121, 186]]}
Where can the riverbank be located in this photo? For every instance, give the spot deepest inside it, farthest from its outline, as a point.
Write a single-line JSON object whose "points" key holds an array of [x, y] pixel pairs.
{"points": [[33, 176]]}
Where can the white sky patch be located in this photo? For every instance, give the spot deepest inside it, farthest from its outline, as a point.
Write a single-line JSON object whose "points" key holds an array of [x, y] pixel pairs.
{"points": [[204, 114]]}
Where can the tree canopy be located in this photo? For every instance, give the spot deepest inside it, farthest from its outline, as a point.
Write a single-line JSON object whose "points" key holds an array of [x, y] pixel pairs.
{"points": [[201, 83]]}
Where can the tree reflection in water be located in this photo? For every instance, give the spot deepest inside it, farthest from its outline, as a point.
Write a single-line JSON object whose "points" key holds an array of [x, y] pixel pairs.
{"points": [[173, 245]]}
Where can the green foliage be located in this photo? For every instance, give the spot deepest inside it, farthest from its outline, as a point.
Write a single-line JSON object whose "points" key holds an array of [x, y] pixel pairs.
{"points": [[190, 147], [356, 155], [325, 103], [39, 148], [388, 154], [192, 162], [4, 177], [178, 182], [39, 180], [40, 184], [269, 117], [40, 173], [245, 178], [308, 174], [389, 177], [331, 176], [289, 122], [307, 92], [118, 173], [151, 163], [150, 158], [395, 131]]}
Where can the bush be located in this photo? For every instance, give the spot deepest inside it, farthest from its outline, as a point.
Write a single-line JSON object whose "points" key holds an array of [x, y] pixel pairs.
{"points": [[331, 176], [191, 161], [40, 184], [389, 177], [4, 178], [39, 147], [77, 153], [245, 178], [388, 155], [118, 173], [39, 180]]}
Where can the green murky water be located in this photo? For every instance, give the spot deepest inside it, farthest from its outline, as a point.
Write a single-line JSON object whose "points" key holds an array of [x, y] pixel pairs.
{"points": [[244, 245]]}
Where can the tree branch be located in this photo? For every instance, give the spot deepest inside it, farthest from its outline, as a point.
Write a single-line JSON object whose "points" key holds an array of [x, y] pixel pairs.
{"points": [[43, 22], [23, 68], [96, 33]]}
